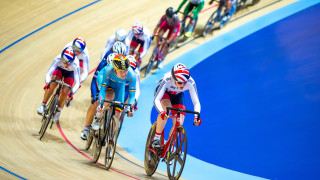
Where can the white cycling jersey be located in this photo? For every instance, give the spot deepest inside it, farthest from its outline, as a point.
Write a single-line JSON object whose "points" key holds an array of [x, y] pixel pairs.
{"points": [[84, 56], [110, 43], [72, 67], [145, 37], [167, 84], [137, 83]]}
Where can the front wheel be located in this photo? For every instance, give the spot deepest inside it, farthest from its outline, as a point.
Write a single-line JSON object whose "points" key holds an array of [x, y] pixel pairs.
{"points": [[177, 154], [151, 160], [47, 116], [89, 138], [210, 24], [112, 136]]}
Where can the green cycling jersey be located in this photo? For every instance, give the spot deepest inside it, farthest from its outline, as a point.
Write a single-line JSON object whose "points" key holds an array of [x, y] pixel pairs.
{"points": [[198, 4]]}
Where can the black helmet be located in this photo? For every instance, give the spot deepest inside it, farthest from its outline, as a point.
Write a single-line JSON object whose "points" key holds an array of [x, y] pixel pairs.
{"points": [[170, 12]]}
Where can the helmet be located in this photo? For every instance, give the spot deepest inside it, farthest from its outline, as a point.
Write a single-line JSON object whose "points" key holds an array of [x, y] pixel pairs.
{"points": [[119, 48], [180, 73], [79, 44], [68, 55], [120, 62], [110, 57], [121, 34], [170, 12], [133, 62], [137, 28]]}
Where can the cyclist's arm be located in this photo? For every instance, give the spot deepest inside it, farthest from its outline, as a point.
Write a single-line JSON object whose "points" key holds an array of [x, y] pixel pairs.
{"points": [[127, 43], [103, 82], [196, 11], [85, 68], [51, 69], [146, 45], [130, 35], [158, 25], [158, 96], [180, 6], [132, 86], [194, 95], [76, 75], [137, 94], [108, 46]]}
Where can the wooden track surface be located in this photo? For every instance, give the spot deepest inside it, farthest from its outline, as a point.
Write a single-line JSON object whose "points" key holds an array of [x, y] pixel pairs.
{"points": [[23, 67]]}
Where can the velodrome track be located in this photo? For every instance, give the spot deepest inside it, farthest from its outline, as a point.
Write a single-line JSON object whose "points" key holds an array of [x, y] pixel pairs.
{"points": [[24, 64]]}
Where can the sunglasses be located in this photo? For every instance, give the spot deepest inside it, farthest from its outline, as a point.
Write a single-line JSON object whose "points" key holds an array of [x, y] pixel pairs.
{"points": [[75, 48], [169, 16], [65, 62], [181, 82]]}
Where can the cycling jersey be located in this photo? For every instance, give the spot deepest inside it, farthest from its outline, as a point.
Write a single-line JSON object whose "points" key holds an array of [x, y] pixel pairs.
{"points": [[83, 62], [173, 26], [58, 69], [144, 40], [167, 85], [137, 94], [197, 5], [107, 78], [110, 43]]}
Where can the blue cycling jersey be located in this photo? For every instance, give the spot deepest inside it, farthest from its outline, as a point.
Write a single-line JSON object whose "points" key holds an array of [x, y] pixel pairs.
{"points": [[107, 78]]}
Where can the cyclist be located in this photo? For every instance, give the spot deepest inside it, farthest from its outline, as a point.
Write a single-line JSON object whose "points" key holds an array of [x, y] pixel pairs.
{"points": [[139, 35], [170, 21], [120, 35], [80, 49], [196, 6], [230, 6], [133, 66], [94, 95], [112, 79], [63, 68], [169, 92]]}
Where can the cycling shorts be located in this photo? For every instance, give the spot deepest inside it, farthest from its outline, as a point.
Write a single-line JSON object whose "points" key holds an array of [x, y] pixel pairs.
{"points": [[67, 76], [177, 100]]}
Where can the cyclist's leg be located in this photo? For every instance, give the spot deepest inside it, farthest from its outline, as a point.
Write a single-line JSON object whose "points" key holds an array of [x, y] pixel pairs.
{"points": [[94, 103], [191, 25], [178, 102], [133, 45], [165, 102], [119, 96], [56, 75]]}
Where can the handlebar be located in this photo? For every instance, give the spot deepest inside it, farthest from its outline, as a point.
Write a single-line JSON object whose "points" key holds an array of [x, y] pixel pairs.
{"points": [[183, 110], [63, 84], [162, 38], [113, 103]]}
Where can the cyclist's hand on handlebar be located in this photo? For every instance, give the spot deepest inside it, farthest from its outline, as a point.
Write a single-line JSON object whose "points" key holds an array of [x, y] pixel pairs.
{"points": [[196, 122], [152, 37], [164, 115], [130, 113]]}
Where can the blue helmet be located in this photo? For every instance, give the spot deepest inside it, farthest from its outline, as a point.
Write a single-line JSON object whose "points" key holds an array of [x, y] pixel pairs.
{"points": [[68, 55], [79, 44]]}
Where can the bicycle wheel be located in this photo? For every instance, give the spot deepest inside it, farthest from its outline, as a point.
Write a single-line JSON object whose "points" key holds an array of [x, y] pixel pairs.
{"points": [[99, 137], [49, 111], [177, 154], [121, 121], [151, 160], [151, 61], [112, 137], [89, 138], [210, 24]]}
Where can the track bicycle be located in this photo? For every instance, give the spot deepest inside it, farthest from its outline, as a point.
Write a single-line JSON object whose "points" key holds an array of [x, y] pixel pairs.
{"points": [[173, 152], [181, 37], [214, 19], [156, 53], [51, 107]]}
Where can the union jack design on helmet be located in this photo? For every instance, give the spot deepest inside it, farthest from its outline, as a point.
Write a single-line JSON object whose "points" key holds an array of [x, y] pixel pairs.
{"points": [[137, 28], [180, 73], [133, 62], [79, 44], [68, 55]]}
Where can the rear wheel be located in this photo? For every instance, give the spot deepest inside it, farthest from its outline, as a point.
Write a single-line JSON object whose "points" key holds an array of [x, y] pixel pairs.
{"points": [[151, 160], [210, 24], [112, 137], [49, 111], [99, 137], [89, 138], [177, 154]]}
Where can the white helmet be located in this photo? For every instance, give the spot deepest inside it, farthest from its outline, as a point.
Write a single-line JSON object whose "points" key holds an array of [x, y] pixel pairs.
{"points": [[133, 62], [110, 57], [119, 48], [121, 34]]}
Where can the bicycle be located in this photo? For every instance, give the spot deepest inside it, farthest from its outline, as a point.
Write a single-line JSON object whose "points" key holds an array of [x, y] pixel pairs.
{"points": [[107, 133], [156, 53], [175, 149], [181, 37], [215, 18], [51, 107]]}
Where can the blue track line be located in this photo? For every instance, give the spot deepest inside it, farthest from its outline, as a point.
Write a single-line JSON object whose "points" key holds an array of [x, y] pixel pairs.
{"points": [[11, 172], [2, 50]]}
